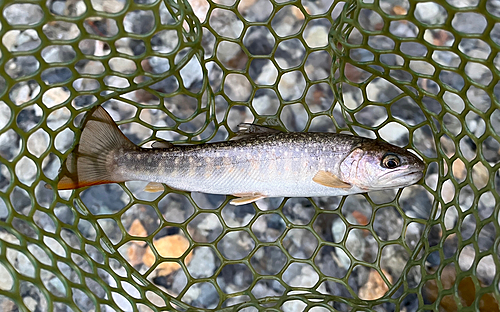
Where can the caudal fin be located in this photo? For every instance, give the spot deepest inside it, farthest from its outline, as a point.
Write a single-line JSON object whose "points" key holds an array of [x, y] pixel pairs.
{"points": [[91, 161]]}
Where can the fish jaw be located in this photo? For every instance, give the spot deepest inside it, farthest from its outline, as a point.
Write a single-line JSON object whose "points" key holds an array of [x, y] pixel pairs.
{"points": [[401, 178]]}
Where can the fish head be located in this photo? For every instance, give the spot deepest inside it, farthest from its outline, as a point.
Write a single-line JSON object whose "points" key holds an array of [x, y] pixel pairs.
{"points": [[375, 165]]}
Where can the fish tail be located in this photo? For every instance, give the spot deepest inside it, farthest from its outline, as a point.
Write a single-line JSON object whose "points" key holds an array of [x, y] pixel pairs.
{"points": [[92, 161]]}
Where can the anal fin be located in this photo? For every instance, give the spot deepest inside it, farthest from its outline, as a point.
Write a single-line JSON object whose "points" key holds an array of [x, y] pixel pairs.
{"points": [[326, 178], [153, 187], [246, 198]]}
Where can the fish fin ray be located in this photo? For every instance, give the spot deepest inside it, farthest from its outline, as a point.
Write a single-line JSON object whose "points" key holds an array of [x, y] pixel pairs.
{"points": [[161, 144], [326, 178], [253, 128], [246, 130], [246, 198], [89, 162], [153, 187]]}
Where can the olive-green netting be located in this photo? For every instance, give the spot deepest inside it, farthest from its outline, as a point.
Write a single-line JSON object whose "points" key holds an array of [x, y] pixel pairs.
{"points": [[419, 65]]}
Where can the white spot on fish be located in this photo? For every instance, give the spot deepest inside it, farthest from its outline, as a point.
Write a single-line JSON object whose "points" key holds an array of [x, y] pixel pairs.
{"points": [[139, 157], [129, 157]]}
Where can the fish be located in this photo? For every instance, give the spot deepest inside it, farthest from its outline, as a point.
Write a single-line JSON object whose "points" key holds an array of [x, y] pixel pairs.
{"points": [[259, 162]]}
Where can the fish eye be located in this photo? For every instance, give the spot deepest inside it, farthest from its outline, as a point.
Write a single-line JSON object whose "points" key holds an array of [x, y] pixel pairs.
{"points": [[390, 161]]}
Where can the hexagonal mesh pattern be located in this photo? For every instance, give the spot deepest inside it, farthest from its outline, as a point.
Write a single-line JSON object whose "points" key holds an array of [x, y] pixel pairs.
{"points": [[420, 75]]}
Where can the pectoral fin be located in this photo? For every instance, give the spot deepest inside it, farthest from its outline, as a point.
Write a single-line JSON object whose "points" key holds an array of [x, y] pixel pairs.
{"points": [[329, 179], [246, 198], [153, 187]]}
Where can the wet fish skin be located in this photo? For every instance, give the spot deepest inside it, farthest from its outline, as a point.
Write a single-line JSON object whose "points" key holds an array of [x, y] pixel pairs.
{"points": [[263, 164]]}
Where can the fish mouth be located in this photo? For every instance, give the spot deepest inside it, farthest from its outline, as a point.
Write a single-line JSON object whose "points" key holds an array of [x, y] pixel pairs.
{"points": [[414, 175], [402, 178]]}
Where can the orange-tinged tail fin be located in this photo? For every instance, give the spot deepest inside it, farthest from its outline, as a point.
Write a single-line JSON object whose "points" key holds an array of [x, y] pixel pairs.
{"points": [[92, 161]]}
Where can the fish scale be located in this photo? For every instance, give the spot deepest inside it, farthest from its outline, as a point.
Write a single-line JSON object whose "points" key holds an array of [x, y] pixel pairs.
{"points": [[260, 162]]}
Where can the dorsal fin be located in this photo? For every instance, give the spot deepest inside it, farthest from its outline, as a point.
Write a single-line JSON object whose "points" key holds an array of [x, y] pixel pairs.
{"points": [[161, 144], [253, 128], [246, 130]]}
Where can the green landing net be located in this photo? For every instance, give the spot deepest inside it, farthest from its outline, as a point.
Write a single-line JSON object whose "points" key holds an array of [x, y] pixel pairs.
{"points": [[422, 75]]}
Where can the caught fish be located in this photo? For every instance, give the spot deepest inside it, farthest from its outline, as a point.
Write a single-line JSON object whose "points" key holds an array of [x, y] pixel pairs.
{"points": [[261, 162]]}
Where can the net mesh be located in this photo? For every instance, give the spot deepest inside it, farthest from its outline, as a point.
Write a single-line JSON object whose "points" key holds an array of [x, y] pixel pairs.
{"points": [[421, 75]]}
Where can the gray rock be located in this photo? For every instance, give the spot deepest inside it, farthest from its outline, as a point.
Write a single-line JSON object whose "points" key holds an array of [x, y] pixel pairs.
{"points": [[22, 264], [469, 22], [236, 245], [300, 275], [268, 74], [4, 212], [357, 245], [103, 199], [430, 13], [203, 263], [64, 140], [38, 143], [291, 85], [82, 300], [23, 14], [58, 7], [6, 281], [139, 22], [179, 281], [316, 36], [159, 65], [191, 73], [294, 117], [56, 286], [5, 114], [58, 53], [43, 221], [202, 295], [268, 260], [26, 170]]}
